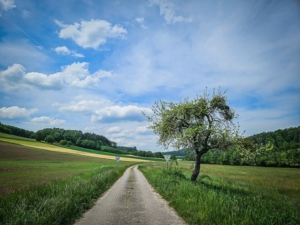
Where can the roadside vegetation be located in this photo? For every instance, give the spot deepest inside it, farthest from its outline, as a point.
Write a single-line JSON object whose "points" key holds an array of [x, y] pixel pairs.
{"points": [[229, 194], [44, 187]]}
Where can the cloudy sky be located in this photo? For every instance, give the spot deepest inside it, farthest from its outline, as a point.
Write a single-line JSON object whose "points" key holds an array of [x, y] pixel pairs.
{"points": [[96, 65]]}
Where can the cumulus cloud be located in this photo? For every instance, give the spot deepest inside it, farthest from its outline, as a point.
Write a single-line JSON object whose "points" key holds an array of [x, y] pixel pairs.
{"points": [[167, 10], [48, 120], [15, 112], [103, 110], [120, 113], [76, 75], [90, 34], [6, 5], [63, 50]]}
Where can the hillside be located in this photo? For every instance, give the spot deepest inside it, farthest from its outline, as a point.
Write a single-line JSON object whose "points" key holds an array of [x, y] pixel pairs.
{"points": [[288, 138], [77, 138]]}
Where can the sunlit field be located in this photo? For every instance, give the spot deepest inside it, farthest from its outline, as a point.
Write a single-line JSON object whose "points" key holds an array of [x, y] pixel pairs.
{"points": [[229, 194], [48, 187]]}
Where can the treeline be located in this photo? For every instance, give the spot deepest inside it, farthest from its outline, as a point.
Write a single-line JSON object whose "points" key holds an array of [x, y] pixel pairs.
{"points": [[281, 139], [77, 138], [15, 131], [280, 148], [73, 137]]}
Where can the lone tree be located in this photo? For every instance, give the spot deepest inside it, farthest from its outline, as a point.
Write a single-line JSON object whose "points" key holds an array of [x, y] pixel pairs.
{"points": [[198, 125]]}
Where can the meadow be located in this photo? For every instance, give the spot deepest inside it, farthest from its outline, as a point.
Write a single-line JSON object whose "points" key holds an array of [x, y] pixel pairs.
{"points": [[229, 194], [47, 187], [39, 186]]}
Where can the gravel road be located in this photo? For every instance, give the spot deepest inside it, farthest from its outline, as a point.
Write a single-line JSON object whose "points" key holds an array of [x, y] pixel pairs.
{"points": [[132, 201]]}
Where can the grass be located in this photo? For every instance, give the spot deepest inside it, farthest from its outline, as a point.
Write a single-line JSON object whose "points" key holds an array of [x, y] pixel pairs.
{"points": [[23, 167], [45, 187], [61, 202], [229, 194]]}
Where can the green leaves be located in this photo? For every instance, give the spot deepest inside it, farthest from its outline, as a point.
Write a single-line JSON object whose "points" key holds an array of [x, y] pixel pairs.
{"points": [[205, 121]]}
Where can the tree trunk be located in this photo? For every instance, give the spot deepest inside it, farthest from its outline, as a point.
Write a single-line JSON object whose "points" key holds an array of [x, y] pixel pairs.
{"points": [[197, 167]]}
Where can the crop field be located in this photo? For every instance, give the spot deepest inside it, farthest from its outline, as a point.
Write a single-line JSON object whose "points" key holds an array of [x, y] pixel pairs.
{"points": [[229, 194], [23, 167], [34, 144], [33, 182]]}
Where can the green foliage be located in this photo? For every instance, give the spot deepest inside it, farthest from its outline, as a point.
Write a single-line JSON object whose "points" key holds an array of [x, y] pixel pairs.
{"points": [[63, 142], [49, 139], [198, 125], [205, 122], [15, 131]]}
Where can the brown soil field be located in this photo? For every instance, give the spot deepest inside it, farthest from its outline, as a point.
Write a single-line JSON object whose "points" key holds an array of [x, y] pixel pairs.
{"points": [[19, 152], [49, 147]]}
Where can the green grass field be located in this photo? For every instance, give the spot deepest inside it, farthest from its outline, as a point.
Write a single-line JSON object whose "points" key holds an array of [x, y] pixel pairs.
{"points": [[229, 194], [48, 187]]}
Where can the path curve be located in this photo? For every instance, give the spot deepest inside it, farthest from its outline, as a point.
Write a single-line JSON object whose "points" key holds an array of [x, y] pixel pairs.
{"points": [[131, 200]]}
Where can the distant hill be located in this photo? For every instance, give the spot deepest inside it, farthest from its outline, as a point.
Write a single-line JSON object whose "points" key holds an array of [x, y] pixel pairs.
{"points": [[77, 138], [181, 152], [288, 138]]}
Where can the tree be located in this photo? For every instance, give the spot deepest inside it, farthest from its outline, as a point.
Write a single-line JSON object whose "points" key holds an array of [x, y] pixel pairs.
{"points": [[197, 125], [49, 139]]}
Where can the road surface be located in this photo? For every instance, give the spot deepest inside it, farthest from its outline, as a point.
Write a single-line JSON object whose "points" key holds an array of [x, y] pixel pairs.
{"points": [[132, 201]]}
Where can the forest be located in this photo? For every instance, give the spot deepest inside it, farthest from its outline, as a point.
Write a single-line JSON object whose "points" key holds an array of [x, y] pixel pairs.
{"points": [[280, 148]]}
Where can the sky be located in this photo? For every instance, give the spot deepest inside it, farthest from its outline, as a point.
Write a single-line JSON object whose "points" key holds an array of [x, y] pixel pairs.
{"points": [[95, 66]]}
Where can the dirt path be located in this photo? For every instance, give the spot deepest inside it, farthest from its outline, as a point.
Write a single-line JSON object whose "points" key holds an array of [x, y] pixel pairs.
{"points": [[131, 201]]}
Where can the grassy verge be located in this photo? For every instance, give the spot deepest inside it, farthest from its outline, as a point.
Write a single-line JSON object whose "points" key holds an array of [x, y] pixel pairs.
{"points": [[61, 202], [230, 194]]}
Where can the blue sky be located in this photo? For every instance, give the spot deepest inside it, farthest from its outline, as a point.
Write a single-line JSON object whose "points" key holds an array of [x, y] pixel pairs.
{"points": [[95, 65]]}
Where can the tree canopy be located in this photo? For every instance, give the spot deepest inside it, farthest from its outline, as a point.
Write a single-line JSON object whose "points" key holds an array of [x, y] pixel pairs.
{"points": [[199, 125]]}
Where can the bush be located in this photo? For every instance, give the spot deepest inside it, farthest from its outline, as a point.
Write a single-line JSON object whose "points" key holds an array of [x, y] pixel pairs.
{"points": [[63, 142], [49, 139]]}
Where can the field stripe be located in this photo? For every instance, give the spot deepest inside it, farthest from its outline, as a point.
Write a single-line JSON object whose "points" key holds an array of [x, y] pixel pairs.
{"points": [[44, 146]]}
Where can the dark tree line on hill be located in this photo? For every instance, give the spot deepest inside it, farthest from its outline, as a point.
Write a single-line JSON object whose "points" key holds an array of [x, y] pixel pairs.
{"points": [[73, 137], [15, 131], [77, 138], [278, 148]]}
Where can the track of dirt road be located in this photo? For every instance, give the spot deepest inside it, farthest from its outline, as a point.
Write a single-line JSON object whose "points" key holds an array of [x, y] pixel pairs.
{"points": [[131, 201]]}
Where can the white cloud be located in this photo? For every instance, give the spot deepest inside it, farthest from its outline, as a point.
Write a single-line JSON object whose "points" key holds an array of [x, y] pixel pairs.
{"points": [[167, 9], [48, 120], [114, 129], [16, 112], [139, 19], [143, 130], [120, 113], [75, 75], [11, 78], [6, 5], [63, 50], [43, 81], [86, 106], [90, 34]]}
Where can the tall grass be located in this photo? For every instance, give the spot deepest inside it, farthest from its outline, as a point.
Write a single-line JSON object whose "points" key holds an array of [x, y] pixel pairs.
{"points": [[61, 202], [212, 201]]}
